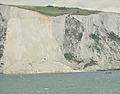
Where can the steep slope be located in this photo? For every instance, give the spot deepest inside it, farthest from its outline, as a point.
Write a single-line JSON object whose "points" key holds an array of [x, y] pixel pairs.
{"points": [[34, 42], [30, 46], [93, 41], [3, 30]]}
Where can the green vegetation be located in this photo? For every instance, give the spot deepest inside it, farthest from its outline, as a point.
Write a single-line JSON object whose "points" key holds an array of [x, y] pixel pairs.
{"points": [[80, 36], [68, 56], [92, 62], [97, 48], [57, 11], [94, 36], [78, 62], [113, 36]]}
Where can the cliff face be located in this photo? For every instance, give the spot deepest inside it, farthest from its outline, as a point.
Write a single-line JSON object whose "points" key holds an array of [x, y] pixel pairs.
{"points": [[3, 30], [30, 45], [93, 42], [32, 42]]}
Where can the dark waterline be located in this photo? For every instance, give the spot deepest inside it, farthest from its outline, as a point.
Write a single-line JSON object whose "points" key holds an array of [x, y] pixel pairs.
{"points": [[61, 83]]}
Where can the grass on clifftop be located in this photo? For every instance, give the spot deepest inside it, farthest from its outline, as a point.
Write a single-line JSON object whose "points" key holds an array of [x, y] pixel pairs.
{"points": [[57, 11]]}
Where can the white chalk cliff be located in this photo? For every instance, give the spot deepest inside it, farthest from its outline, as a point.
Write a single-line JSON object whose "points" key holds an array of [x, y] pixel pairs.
{"points": [[31, 42]]}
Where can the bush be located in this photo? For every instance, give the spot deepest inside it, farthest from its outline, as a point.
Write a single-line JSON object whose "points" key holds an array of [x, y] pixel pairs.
{"points": [[113, 36], [49, 6], [92, 62], [80, 36], [68, 56], [94, 36], [62, 8]]}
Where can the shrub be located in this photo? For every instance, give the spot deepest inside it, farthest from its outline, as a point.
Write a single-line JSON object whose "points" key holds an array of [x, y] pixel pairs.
{"points": [[68, 56], [80, 36], [94, 36], [92, 62], [113, 36]]}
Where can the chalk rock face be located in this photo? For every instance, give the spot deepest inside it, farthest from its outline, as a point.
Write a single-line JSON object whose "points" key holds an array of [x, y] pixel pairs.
{"points": [[3, 30], [93, 40], [31, 42], [30, 45]]}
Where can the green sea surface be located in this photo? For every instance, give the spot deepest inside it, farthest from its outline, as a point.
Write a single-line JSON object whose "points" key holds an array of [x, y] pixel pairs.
{"points": [[61, 83]]}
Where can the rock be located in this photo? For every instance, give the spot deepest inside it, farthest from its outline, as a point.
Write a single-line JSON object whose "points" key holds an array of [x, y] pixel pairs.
{"points": [[31, 42]]}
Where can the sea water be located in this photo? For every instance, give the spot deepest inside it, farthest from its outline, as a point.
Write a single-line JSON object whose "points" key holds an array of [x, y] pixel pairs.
{"points": [[61, 83]]}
